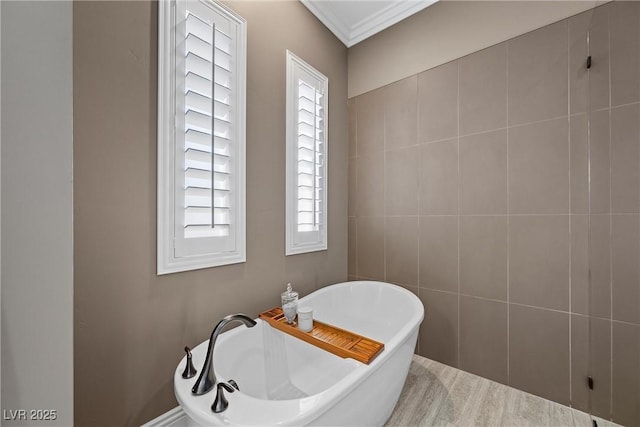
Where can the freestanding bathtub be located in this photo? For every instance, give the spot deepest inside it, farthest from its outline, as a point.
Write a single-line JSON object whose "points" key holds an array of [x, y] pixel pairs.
{"points": [[286, 381]]}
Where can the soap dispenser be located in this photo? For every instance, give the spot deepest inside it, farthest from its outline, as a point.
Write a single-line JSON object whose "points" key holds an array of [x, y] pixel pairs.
{"points": [[289, 304]]}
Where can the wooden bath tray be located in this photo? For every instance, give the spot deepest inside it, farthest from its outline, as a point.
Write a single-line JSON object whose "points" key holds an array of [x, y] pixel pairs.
{"points": [[330, 338]]}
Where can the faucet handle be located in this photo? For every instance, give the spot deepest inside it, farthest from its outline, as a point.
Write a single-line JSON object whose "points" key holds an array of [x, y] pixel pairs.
{"points": [[234, 384], [221, 403], [189, 370]]}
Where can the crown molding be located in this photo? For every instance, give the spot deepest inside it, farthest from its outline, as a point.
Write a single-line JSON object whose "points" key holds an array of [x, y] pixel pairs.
{"points": [[390, 15], [350, 34], [323, 12]]}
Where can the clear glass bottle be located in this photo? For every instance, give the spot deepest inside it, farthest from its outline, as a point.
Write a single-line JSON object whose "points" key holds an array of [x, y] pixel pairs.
{"points": [[289, 304]]}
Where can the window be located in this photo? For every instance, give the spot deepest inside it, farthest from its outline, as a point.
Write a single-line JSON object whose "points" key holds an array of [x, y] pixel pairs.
{"points": [[306, 199], [201, 136]]}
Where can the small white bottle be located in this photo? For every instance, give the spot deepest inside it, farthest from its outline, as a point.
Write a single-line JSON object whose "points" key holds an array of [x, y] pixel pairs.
{"points": [[305, 318]]}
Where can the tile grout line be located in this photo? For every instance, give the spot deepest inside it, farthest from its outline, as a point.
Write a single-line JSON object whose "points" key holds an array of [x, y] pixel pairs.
{"points": [[563, 214], [518, 125], [356, 207], [610, 233], [508, 224], [458, 207], [419, 187], [384, 184], [570, 205], [638, 319], [614, 107], [419, 202]]}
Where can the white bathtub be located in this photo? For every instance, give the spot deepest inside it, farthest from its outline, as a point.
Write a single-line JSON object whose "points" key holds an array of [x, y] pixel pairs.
{"points": [[285, 381]]}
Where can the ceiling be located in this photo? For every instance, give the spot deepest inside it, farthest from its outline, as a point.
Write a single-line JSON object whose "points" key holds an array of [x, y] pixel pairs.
{"points": [[354, 20]]}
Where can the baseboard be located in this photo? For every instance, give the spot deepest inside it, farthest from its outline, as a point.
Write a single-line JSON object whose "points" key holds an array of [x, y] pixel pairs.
{"points": [[173, 418]]}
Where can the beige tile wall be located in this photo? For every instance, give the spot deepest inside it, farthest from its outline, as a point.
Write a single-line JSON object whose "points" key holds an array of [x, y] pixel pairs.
{"points": [[469, 186]]}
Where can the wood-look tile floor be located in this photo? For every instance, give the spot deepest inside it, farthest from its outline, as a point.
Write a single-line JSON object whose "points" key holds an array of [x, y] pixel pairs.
{"points": [[439, 395]]}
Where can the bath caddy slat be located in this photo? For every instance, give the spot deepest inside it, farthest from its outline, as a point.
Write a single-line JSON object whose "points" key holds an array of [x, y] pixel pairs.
{"points": [[330, 338]]}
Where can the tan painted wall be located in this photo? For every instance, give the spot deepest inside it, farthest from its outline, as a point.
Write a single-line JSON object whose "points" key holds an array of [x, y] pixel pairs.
{"points": [[131, 325], [446, 31]]}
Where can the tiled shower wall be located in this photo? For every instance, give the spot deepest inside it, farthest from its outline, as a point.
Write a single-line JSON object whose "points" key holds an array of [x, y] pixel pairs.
{"points": [[468, 186]]}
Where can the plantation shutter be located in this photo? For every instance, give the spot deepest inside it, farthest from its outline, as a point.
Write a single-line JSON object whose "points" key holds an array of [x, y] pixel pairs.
{"points": [[209, 66], [306, 157], [205, 134], [310, 157]]}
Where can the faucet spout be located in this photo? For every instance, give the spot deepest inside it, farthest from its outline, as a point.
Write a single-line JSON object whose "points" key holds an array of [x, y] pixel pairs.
{"points": [[207, 379]]}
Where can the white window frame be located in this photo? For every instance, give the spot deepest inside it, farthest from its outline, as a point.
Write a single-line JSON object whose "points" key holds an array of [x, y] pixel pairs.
{"points": [[211, 252], [298, 242]]}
